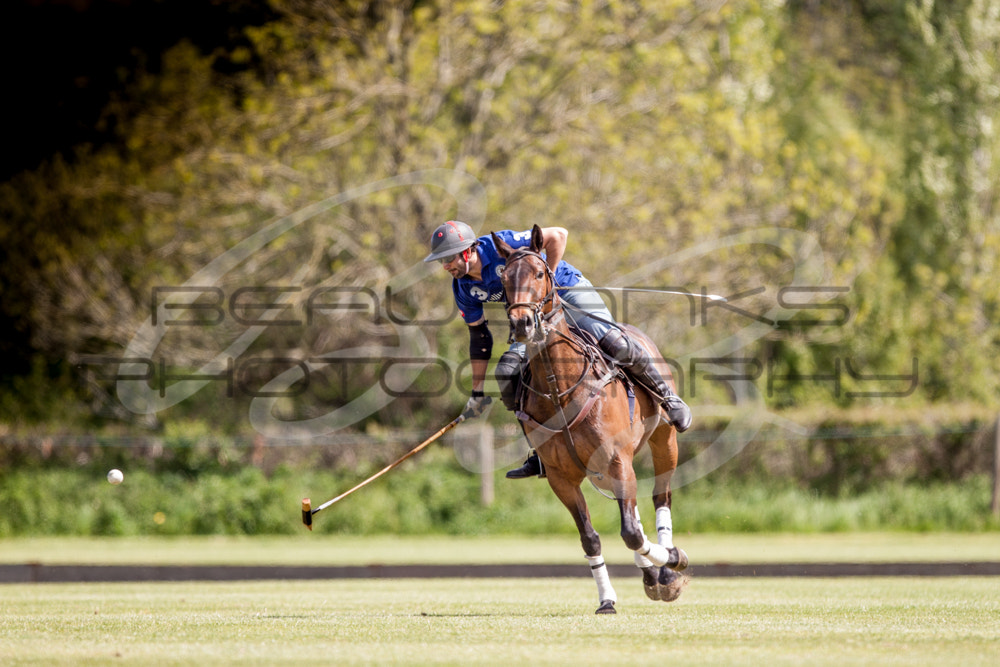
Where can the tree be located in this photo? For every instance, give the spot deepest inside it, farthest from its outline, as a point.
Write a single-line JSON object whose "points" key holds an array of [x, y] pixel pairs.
{"points": [[685, 125]]}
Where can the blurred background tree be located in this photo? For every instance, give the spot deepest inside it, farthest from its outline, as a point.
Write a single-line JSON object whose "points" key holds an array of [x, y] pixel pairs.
{"points": [[646, 128]]}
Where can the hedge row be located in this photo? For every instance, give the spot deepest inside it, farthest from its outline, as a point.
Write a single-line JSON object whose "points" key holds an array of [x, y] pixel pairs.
{"points": [[433, 495]]}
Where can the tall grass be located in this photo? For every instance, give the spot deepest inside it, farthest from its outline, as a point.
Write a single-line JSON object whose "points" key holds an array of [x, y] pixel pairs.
{"points": [[433, 495], [894, 505]]}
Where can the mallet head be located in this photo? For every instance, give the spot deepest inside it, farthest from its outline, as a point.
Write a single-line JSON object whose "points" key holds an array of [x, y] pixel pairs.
{"points": [[307, 515]]}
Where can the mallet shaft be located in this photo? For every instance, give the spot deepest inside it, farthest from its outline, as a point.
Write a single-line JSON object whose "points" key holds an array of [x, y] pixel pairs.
{"points": [[307, 512]]}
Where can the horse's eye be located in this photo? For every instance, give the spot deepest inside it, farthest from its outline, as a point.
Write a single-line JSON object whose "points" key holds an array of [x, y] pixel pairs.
{"points": [[539, 275]]}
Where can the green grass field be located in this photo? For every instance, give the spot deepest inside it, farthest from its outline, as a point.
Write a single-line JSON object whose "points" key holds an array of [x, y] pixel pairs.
{"points": [[841, 621], [316, 549], [489, 622]]}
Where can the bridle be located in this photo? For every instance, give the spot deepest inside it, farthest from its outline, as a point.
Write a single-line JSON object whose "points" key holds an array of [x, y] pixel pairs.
{"points": [[545, 310]]}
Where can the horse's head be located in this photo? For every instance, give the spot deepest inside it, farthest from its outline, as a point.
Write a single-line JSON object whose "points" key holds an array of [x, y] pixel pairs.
{"points": [[529, 285]]}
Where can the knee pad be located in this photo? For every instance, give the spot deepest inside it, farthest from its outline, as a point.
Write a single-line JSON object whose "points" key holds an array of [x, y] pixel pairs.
{"points": [[508, 375]]}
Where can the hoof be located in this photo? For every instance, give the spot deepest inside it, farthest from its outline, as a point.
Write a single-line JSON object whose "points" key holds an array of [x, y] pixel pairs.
{"points": [[649, 582], [607, 607], [681, 563], [671, 584], [662, 583]]}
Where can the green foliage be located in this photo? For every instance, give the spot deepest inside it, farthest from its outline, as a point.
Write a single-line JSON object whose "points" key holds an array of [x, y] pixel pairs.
{"points": [[709, 506], [858, 135], [739, 147], [432, 495], [46, 394]]}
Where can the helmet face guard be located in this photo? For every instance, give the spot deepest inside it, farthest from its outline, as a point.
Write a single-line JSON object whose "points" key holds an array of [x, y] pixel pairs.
{"points": [[450, 239]]}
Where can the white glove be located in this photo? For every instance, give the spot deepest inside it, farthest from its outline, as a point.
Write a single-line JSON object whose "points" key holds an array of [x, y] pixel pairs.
{"points": [[478, 404]]}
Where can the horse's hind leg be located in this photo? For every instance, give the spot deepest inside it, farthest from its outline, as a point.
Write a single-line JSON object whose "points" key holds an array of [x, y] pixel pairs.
{"points": [[572, 497], [663, 446], [664, 583]]}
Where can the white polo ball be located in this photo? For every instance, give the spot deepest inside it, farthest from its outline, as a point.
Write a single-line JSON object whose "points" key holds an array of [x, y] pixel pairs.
{"points": [[115, 476]]}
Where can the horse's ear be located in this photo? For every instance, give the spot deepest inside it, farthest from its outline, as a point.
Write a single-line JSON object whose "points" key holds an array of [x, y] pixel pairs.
{"points": [[502, 246], [537, 240]]}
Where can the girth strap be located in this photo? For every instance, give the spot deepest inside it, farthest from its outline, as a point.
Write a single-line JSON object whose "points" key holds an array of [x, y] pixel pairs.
{"points": [[587, 405]]}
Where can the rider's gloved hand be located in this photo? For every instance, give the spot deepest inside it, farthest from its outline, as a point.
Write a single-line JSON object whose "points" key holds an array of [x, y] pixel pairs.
{"points": [[478, 404]]}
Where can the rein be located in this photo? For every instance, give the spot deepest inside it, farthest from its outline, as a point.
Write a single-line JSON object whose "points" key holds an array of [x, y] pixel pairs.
{"points": [[551, 317]]}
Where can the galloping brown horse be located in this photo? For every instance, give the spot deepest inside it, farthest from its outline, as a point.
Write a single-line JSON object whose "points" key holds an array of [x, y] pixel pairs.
{"points": [[582, 419]]}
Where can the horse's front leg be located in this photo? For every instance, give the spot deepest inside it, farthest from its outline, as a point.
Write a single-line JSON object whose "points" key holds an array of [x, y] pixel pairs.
{"points": [[572, 497]]}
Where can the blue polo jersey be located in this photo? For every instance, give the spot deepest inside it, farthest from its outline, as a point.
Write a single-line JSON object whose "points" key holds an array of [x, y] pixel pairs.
{"points": [[470, 294]]}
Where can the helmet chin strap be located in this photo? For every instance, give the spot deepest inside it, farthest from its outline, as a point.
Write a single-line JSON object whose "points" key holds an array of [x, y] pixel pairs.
{"points": [[468, 265]]}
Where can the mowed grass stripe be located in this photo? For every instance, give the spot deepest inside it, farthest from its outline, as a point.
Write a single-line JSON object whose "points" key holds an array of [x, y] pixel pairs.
{"points": [[488, 622]]}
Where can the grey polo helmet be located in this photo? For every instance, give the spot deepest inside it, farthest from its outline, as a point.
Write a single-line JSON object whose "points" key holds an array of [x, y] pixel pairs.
{"points": [[450, 239]]}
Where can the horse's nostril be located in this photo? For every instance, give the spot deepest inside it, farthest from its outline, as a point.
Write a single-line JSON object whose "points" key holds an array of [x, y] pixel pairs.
{"points": [[521, 325]]}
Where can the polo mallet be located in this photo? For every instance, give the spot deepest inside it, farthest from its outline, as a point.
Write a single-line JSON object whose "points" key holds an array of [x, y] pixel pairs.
{"points": [[653, 290], [308, 511]]}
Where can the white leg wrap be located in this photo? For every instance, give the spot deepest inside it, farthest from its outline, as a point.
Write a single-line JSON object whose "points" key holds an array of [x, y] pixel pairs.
{"points": [[664, 527], [641, 561], [655, 553], [605, 591]]}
